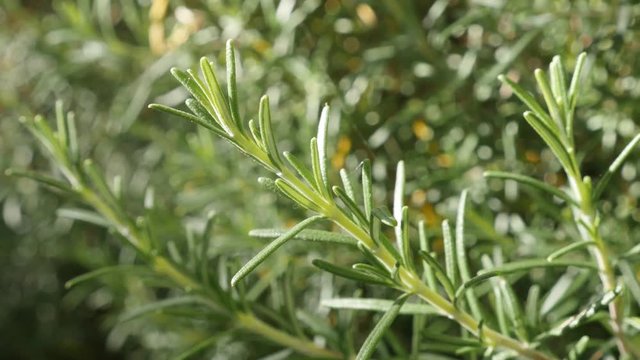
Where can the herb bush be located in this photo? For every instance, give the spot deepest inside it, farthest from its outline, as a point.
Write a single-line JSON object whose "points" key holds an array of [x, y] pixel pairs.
{"points": [[550, 278]]}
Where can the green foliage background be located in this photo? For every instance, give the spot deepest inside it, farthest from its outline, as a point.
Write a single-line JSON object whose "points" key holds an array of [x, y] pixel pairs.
{"points": [[413, 81]]}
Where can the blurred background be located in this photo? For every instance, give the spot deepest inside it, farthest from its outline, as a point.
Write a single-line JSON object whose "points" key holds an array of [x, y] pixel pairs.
{"points": [[407, 80]]}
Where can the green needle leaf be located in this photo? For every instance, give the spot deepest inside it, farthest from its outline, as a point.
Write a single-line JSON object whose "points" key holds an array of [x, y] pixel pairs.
{"points": [[255, 134], [272, 247], [316, 168], [461, 255], [559, 85], [549, 99], [533, 306], [299, 167], [84, 215], [575, 81], [615, 165], [216, 97], [350, 204], [108, 270], [398, 199], [385, 216], [569, 248], [323, 127], [307, 235], [584, 315], [189, 117], [54, 183], [449, 253], [159, 306], [519, 266], [198, 348], [579, 348], [526, 180], [527, 98], [553, 140], [346, 183], [266, 132], [424, 246], [439, 273], [63, 129], [407, 254], [370, 344], [350, 274], [377, 305], [367, 191], [232, 91], [294, 194]]}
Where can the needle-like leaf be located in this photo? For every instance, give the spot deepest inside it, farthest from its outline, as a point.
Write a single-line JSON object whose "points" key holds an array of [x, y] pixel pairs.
{"points": [[109, 270], [440, 274], [569, 248], [367, 191], [519, 266], [350, 274], [346, 183], [272, 247], [461, 255], [526, 180], [398, 201], [194, 119], [323, 128], [370, 344], [424, 246], [350, 204], [575, 81], [232, 91], [266, 132], [449, 253], [549, 99], [615, 165], [307, 235], [377, 305], [528, 99]]}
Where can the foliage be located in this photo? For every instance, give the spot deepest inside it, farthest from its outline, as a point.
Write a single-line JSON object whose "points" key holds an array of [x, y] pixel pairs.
{"points": [[434, 108]]}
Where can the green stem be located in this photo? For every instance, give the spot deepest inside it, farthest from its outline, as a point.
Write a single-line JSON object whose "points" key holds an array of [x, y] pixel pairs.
{"points": [[412, 284], [585, 216], [257, 326], [163, 266]]}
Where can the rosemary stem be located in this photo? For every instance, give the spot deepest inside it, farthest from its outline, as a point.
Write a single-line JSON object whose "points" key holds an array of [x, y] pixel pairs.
{"points": [[413, 284], [585, 217], [257, 326], [163, 266]]}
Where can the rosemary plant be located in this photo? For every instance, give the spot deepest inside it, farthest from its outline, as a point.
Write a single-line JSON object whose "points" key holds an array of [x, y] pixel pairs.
{"points": [[494, 322], [190, 273]]}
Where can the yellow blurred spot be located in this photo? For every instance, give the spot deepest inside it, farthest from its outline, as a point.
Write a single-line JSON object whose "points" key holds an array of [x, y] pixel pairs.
{"points": [[157, 12], [188, 22], [421, 130], [418, 197], [342, 150], [431, 217], [261, 46], [437, 246], [444, 160], [532, 156], [290, 223], [366, 14]]}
